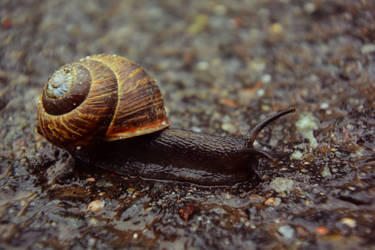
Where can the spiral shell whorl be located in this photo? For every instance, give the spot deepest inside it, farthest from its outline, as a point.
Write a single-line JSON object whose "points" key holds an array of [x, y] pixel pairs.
{"points": [[66, 89], [104, 96]]}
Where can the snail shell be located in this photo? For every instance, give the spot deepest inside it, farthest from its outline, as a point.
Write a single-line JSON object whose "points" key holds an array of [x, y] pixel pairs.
{"points": [[99, 97]]}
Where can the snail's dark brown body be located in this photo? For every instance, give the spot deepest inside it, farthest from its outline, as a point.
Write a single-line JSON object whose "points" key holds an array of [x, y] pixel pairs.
{"points": [[174, 154], [128, 133], [182, 155]]}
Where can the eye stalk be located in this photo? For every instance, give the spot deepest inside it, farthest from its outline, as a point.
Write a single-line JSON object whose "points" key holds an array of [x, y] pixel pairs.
{"points": [[259, 127]]}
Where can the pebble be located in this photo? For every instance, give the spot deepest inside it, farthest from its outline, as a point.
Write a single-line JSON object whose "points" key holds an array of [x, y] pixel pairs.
{"points": [[296, 155], [220, 10], [257, 65], [326, 172], [228, 102], [273, 202], [321, 230], [260, 92], [200, 22], [349, 222], [302, 231], [91, 242], [368, 48], [266, 78], [202, 65], [228, 127], [280, 184], [276, 28], [309, 7], [265, 107], [95, 206], [186, 212], [324, 105], [196, 129], [306, 125], [286, 231], [90, 179]]}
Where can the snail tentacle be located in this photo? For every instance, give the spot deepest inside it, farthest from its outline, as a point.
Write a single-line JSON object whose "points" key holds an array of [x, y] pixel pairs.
{"points": [[258, 128]]}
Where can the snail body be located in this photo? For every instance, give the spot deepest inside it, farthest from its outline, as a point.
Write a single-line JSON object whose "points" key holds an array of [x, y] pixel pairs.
{"points": [[108, 112]]}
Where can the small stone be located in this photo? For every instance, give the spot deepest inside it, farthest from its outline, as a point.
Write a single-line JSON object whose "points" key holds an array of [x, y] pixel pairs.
{"points": [[200, 22], [220, 9], [228, 196], [321, 230], [228, 102], [90, 179], [286, 231], [368, 48], [91, 242], [257, 65], [306, 125], [186, 212], [265, 107], [296, 155], [196, 129], [273, 202], [228, 127], [302, 231], [93, 222], [309, 7], [95, 206], [280, 184], [349, 222], [266, 78], [276, 28], [326, 172], [324, 105], [260, 92], [202, 65]]}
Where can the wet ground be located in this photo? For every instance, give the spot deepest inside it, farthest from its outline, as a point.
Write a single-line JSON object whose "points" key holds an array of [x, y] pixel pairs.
{"points": [[222, 67]]}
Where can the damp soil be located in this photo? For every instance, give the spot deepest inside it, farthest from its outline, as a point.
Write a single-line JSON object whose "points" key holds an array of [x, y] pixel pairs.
{"points": [[222, 66]]}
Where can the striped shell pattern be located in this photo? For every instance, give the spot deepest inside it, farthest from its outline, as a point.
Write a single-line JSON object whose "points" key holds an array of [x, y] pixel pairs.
{"points": [[99, 97]]}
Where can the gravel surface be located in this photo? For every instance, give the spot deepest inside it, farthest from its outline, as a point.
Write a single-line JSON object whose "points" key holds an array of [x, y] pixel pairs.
{"points": [[222, 67]]}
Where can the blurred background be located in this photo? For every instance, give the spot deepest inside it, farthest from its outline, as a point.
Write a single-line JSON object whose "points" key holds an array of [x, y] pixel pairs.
{"points": [[222, 67]]}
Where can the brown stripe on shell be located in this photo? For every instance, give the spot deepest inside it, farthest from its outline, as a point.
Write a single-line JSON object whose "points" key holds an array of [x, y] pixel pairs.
{"points": [[144, 102], [140, 109]]}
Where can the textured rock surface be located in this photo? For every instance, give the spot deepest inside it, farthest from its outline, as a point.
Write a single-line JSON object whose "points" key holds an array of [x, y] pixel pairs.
{"points": [[222, 67]]}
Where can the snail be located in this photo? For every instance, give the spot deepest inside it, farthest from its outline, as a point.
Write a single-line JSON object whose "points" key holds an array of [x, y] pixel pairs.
{"points": [[108, 112]]}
